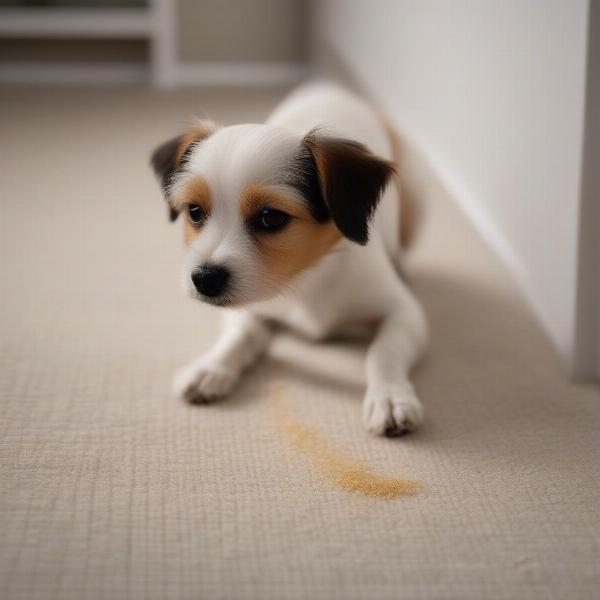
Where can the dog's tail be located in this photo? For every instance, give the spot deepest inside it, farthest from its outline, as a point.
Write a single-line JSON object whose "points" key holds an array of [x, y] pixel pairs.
{"points": [[411, 205]]}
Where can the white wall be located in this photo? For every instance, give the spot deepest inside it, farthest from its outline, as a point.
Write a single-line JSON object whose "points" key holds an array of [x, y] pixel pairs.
{"points": [[493, 93]]}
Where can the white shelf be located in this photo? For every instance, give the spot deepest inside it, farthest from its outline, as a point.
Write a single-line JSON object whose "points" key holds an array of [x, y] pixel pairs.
{"points": [[110, 23], [74, 73]]}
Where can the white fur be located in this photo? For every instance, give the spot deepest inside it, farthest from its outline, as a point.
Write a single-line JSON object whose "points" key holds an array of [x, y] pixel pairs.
{"points": [[351, 285]]}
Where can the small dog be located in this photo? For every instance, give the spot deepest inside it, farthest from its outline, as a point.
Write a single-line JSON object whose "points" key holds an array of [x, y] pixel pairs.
{"points": [[293, 223]]}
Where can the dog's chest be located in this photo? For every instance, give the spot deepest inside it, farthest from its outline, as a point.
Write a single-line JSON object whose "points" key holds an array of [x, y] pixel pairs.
{"points": [[340, 296]]}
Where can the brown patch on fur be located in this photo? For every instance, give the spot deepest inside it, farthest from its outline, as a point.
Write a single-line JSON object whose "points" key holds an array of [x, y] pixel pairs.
{"points": [[190, 232], [169, 157], [198, 131], [408, 216], [300, 245], [194, 191], [256, 197]]}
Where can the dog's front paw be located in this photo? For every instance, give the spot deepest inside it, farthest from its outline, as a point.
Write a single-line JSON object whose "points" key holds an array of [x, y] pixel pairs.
{"points": [[203, 382], [392, 410]]}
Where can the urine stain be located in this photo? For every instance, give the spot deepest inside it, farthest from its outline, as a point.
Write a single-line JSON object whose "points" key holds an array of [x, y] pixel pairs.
{"points": [[342, 470]]}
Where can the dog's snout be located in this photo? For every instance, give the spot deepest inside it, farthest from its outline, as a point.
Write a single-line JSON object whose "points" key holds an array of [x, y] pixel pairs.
{"points": [[211, 280]]}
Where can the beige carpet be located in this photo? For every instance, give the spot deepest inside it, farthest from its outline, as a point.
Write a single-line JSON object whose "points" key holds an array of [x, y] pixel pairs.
{"points": [[111, 489]]}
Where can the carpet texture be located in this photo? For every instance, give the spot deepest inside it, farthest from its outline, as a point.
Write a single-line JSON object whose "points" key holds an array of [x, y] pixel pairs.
{"points": [[111, 489]]}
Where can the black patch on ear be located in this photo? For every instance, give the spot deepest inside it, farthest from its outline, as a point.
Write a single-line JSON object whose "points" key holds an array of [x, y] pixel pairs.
{"points": [[163, 160], [305, 178], [351, 181], [166, 165]]}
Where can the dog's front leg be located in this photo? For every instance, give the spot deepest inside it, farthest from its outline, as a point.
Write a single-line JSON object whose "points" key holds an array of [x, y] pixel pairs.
{"points": [[244, 338], [391, 406]]}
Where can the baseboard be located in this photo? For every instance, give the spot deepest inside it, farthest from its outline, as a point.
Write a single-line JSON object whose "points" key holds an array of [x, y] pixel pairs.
{"points": [[180, 75], [74, 73], [234, 74]]}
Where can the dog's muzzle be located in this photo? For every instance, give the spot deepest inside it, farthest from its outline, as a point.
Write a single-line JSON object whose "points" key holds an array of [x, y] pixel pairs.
{"points": [[211, 280]]}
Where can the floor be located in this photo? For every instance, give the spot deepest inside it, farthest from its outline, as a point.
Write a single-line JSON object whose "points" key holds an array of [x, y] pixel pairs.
{"points": [[109, 488]]}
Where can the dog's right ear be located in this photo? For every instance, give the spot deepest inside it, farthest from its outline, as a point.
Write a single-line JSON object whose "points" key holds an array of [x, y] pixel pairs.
{"points": [[351, 182], [170, 157]]}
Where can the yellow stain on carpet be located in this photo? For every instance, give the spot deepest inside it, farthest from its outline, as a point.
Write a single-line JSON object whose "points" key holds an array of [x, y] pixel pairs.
{"points": [[343, 471]]}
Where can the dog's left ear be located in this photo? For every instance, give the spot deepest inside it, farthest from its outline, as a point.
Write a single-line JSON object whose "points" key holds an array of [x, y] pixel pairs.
{"points": [[171, 156], [352, 180]]}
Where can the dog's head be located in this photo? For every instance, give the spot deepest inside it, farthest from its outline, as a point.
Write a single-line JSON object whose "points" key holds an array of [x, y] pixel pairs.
{"points": [[261, 204]]}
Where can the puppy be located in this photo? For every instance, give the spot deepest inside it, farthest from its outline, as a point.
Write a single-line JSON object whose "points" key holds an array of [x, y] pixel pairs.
{"points": [[293, 223]]}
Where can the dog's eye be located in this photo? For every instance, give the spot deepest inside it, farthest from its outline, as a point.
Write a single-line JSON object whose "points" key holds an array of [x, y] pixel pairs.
{"points": [[271, 219], [196, 213]]}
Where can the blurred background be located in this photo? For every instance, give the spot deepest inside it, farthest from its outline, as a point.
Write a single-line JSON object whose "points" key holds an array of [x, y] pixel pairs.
{"points": [[110, 488], [501, 97], [162, 42]]}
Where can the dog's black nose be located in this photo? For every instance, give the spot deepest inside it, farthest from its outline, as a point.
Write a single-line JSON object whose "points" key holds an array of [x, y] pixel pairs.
{"points": [[210, 281]]}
